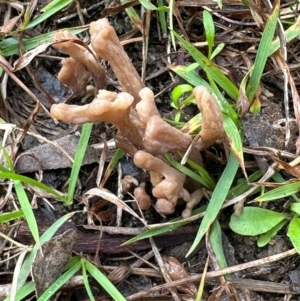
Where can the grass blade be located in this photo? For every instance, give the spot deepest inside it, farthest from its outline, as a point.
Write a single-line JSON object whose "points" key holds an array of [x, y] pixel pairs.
{"points": [[79, 155], [27, 210], [217, 199], [262, 53], [103, 281]]}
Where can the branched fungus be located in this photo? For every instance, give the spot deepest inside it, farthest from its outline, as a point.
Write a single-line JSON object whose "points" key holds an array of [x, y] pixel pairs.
{"points": [[212, 121], [71, 45], [142, 132], [106, 44]]}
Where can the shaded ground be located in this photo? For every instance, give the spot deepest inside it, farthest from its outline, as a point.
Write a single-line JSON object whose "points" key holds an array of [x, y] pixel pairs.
{"points": [[133, 268]]}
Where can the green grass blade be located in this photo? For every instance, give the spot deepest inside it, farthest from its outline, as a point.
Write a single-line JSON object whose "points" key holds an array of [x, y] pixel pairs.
{"points": [[215, 237], [172, 225], [217, 199], [86, 281], [103, 281], [279, 192], [202, 180], [9, 216], [10, 45], [27, 210], [210, 68], [23, 292], [291, 33], [209, 27], [262, 53], [235, 141], [79, 155], [21, 178], [48, 11]]}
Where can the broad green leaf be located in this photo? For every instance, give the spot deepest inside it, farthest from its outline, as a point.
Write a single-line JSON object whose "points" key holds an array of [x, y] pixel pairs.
{"points": [[255, 221], [27, 210], [78, 158], [103, 281], [262, 53], [266, 237], [294, 232], [280, 192], [295, 207], [217, 199], [9, 216]]}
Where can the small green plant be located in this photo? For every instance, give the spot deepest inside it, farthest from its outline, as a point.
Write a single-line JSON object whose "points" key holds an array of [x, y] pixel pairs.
{"points": [[179, 99], [266, 223]]}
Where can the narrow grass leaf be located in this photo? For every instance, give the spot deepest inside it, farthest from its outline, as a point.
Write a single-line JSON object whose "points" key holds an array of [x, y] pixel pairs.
{"points": [[244, 185], [27, 210], [265, 238], [172, 225], [210, 68], [217, 50], [294, 232], [210, 183], [280, 192], [209, 31], [59, 282], [235, 141], [262, 53], [217, 199], [48, 11], [291, 33], [104, 282], [78, 158], [255, 221], [199, 178], [23, 292], [10, 216], [148, 5], [86, 281], [16, 274], [9, 46], [24, 179], [215, 237]]}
